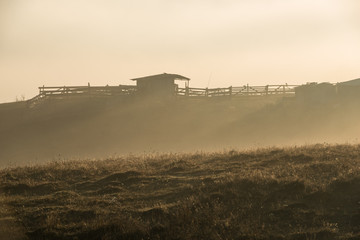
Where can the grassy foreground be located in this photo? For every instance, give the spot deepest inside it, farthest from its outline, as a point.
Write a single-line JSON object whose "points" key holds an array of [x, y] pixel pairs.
{"points": [[310, 192]]}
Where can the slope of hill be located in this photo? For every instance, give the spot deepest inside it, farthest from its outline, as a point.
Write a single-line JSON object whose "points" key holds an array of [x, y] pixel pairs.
{"points": [[98, 127], [87, 128], [310, 192]]}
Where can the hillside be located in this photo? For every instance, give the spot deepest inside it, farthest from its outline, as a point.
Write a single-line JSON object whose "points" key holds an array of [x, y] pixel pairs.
{"points": [[88, 128], [310, 192]]}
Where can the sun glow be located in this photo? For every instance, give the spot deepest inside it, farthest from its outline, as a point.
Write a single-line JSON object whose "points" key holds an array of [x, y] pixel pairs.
{"points": [[236, 42]]}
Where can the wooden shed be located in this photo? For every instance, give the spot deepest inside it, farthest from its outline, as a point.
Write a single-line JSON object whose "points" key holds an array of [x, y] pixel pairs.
{"points": [[160, 84]]}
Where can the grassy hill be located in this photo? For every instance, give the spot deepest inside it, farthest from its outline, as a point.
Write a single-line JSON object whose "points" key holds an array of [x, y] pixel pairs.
{"points": [[91, 127], [310, 192], [82, 128]]}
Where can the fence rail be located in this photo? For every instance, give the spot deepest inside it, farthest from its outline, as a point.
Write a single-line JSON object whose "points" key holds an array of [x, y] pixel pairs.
{"points": [[238, 91], [123, 90], [89, 90], [61, 92]]}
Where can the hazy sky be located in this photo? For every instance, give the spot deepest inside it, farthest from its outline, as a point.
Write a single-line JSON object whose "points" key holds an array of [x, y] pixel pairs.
{"points": [[215, 43]]}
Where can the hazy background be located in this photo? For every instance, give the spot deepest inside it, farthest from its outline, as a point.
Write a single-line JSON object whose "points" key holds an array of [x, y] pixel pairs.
{"points": [[215, 43]]}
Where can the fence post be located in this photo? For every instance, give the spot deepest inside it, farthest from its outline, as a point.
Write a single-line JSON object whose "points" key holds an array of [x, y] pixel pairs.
{"points": [[284, 89], [206, 92], [89, 90], [230, 91], [247, 89], [187, 91]]}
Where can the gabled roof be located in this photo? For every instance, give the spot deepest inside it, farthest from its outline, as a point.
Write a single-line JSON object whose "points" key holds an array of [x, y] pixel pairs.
{"points": [[162, 76], [355, 82]]}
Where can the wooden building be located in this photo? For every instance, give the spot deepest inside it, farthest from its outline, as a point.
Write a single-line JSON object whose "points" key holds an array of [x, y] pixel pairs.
{"points": [[159, 85]]}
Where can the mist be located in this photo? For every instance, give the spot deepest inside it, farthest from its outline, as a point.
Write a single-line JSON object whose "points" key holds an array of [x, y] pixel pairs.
{"points": [[88, 128], [179, 119], [46, 43]]}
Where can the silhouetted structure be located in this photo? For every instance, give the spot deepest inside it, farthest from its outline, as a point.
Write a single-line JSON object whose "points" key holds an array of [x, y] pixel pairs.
{"points": [[160, 84]]}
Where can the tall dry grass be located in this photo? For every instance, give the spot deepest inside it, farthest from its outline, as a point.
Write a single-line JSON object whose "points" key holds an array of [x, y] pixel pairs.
{"points": [[307, 192]]}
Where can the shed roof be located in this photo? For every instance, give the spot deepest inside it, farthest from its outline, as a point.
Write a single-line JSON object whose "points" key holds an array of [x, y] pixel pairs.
{"points": [[164, 76], [354, 82]]}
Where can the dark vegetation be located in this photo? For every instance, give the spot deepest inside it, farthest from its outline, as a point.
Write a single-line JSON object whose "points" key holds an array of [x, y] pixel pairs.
{"points": [[310, 192]]}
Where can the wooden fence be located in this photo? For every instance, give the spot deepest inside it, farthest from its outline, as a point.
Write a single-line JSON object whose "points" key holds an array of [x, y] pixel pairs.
{"points": [[238, 91], [81, 91], [88, 90], [123, 90]]}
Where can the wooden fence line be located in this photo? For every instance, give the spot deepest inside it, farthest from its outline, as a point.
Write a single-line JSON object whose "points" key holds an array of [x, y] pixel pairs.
{"points": [[73, 91], [121, 90], [237, 91]]}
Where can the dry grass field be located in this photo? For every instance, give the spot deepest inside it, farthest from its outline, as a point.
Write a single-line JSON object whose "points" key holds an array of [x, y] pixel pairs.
{"points": [[310, 192]]}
